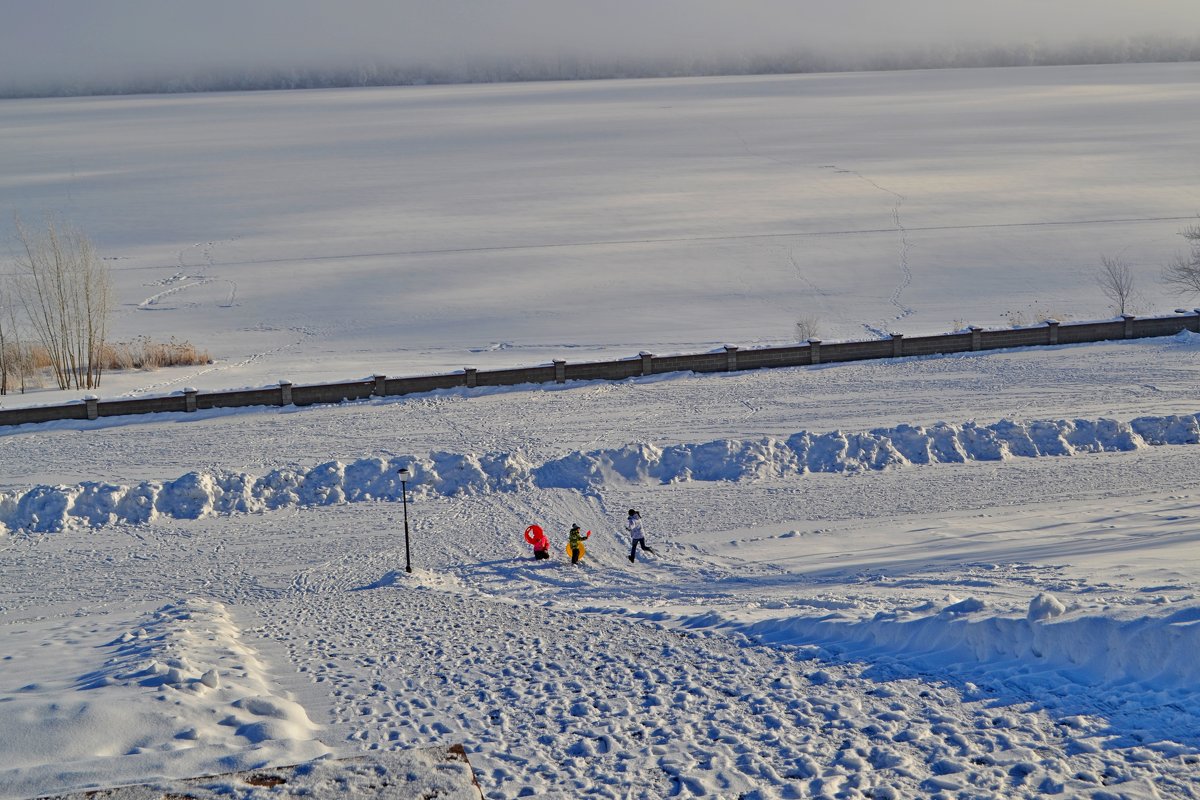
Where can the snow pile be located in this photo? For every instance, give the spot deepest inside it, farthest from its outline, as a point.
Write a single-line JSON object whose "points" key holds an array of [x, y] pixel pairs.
{"points": [[966, 637], [187, 647], [435, 772], [1045, 606], [178, 695], [200, 494]]}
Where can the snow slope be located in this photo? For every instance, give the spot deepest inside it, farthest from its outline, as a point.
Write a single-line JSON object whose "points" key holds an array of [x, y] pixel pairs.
{"points": [[1007, 627]]}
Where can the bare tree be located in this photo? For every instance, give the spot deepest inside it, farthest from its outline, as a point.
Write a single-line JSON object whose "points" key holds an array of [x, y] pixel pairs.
{"points": [[67, 297], [807, 328], [1183, 272], [7, 351], [16, 356], [1115, 279]]}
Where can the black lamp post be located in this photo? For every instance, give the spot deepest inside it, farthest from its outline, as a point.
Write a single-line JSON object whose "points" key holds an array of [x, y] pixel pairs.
{"points": [[404, 499]]}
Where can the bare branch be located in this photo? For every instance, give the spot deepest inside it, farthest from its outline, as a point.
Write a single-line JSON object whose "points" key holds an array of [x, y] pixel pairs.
{"points": [[807, 328], [1183, 272], [1115, 280]]}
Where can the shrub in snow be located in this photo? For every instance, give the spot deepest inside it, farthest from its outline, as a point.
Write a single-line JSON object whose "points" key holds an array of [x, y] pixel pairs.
{"points": [[1045, 606]]}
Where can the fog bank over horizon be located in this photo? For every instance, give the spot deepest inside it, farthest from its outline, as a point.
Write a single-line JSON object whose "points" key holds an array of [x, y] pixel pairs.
{"points": [[61, 47]]}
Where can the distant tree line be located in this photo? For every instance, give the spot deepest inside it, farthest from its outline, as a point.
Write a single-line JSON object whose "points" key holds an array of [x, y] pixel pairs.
{"points": [[801, 59]]}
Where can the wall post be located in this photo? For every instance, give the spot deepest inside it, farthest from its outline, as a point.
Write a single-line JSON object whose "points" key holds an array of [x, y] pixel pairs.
{"points": [[1052, 331], [189, 399], [976, 337], [1129, 318], [814, 351], [647, 362], [285, 393], [560, 370], [93, 406], [380, 385], [897, 345], [731, 357], [470, 377]]}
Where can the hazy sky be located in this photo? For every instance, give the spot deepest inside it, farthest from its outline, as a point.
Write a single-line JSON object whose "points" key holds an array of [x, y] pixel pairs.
{"points": [[53, 41]]}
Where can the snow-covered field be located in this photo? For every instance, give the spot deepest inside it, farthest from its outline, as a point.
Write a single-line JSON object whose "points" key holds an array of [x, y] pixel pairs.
{"points": [[315, 235], [967, 576]]}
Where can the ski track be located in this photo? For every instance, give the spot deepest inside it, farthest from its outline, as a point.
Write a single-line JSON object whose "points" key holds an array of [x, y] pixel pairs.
{"points": [[187, 272], [903, 245], [788, 248], [154, 299]]}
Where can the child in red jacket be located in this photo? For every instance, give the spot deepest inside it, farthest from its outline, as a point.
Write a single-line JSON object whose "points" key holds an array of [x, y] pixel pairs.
{"points": [[541, 545]]}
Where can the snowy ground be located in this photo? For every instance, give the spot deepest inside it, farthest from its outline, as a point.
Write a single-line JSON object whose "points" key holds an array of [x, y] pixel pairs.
{"points": [[1020, 627], [318, 235], [968, 576]]}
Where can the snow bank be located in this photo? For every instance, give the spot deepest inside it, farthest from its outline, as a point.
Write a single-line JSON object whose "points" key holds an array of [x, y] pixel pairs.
{"points": [[177, 694], [200, 494], [1034, 651], [188, 647], [432, 772]]}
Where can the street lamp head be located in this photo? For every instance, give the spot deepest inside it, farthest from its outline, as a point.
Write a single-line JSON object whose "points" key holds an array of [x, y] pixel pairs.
{"points": [[402, 472]]}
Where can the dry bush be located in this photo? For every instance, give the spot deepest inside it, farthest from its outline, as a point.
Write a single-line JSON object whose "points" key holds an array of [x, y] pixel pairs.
{"points": [[24, 367], [807, 328], [144, 354], [66, 294], [1016, 319], [39, 357]]}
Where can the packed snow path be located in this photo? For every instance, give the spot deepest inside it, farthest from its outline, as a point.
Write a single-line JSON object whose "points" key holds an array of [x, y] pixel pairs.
{"points": [[557, 690], [556, 703]]}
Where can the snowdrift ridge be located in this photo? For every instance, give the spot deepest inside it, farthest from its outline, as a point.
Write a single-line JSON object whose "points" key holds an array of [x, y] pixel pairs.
{"points": [[200, 494]]}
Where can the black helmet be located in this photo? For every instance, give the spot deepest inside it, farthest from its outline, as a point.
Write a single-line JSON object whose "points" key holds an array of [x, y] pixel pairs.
{"points": [[633, 513], [574, 527]]}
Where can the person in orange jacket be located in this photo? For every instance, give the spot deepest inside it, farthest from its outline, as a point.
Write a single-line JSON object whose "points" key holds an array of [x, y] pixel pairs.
{"points": [[541, 544]]}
